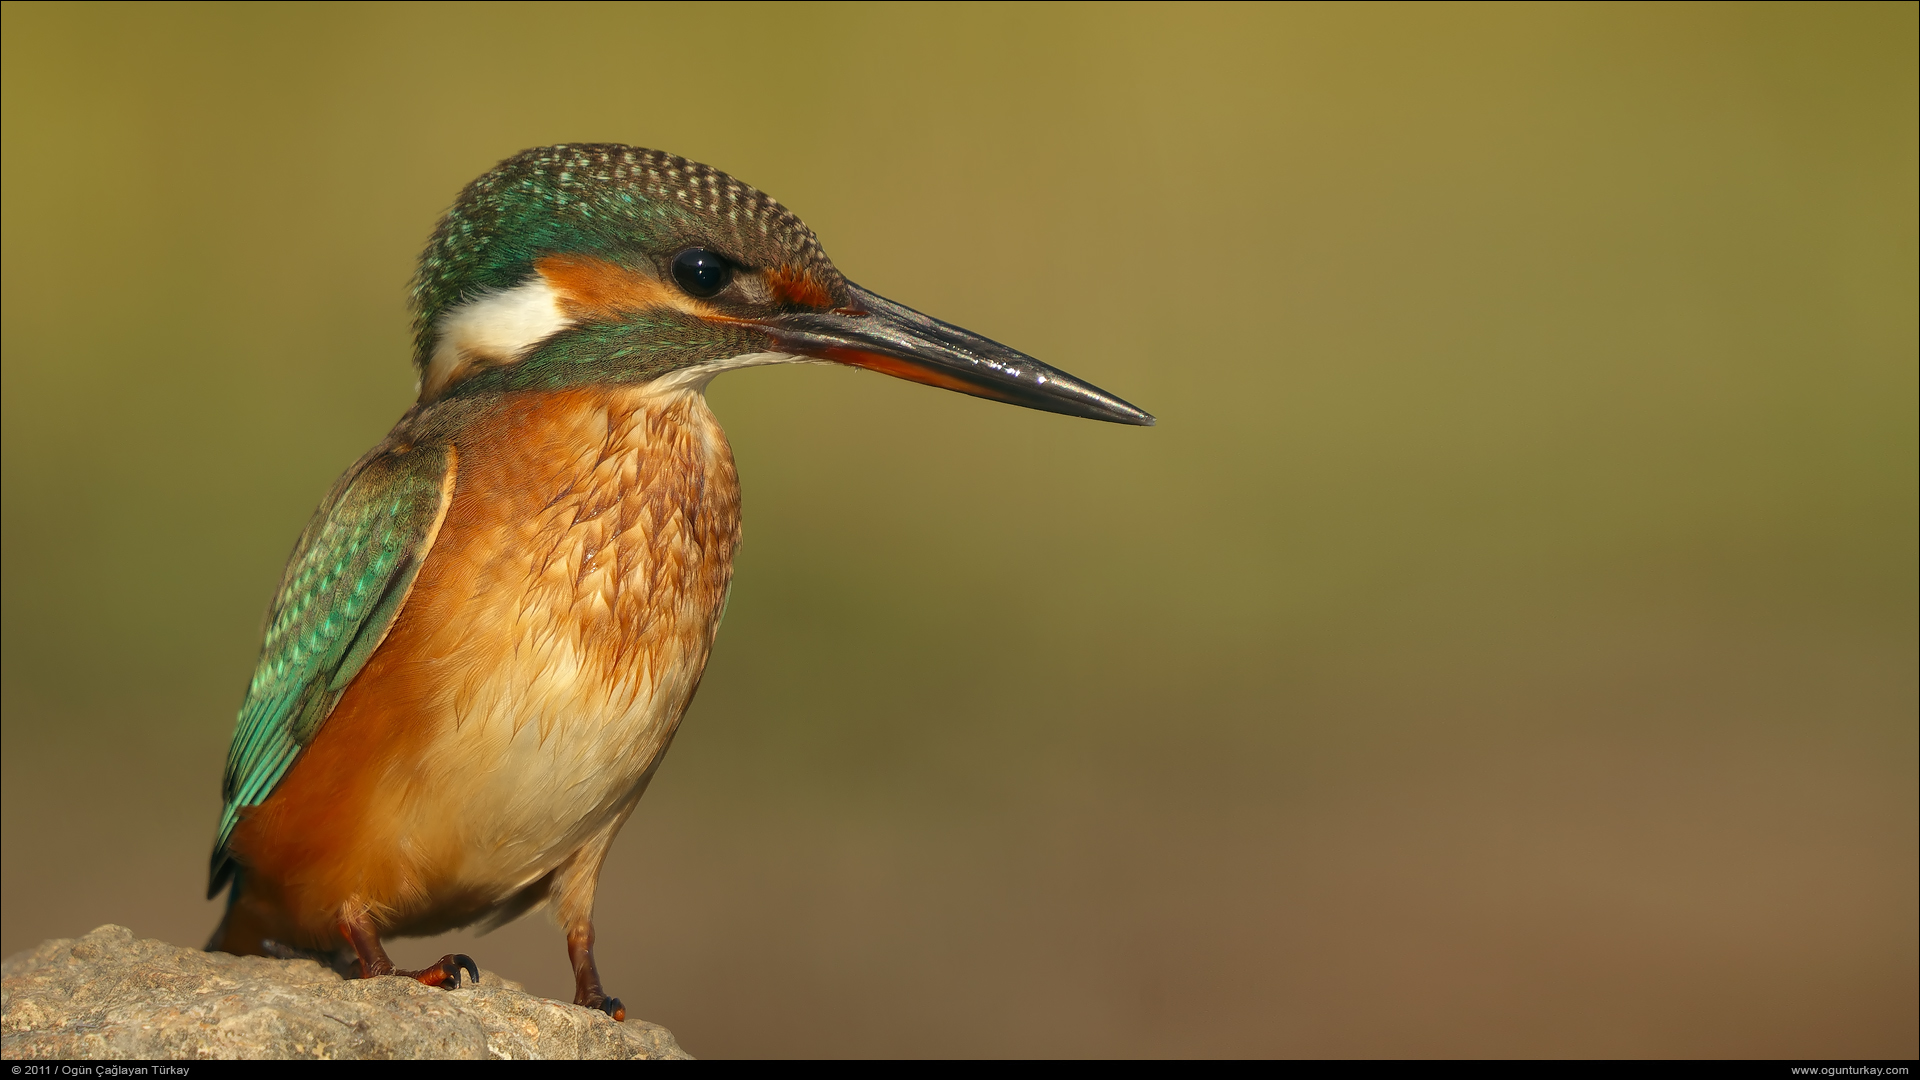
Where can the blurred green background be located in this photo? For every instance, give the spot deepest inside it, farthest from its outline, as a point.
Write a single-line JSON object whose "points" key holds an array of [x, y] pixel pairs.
{"points": [[1506, 643]]}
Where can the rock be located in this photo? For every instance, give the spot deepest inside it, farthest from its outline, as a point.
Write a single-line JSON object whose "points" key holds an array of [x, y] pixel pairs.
{"points": [[111, 995]]}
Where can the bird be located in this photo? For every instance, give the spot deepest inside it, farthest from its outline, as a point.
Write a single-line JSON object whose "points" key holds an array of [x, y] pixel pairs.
{"points": [[487, 633]]}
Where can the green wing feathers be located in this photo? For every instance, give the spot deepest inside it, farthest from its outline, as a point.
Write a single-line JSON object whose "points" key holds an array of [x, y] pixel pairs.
{"points": [[344, 585]]}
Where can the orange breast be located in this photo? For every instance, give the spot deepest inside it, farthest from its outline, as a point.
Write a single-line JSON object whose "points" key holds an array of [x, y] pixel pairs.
{"points": [[554, 635]]}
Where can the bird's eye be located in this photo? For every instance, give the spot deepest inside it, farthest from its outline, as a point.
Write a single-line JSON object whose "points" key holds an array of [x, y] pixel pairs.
{"points": [[701, 272]]}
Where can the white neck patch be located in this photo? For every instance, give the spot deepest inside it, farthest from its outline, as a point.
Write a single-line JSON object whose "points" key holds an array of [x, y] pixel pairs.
{"points": [[502, 327], [492, 329]]}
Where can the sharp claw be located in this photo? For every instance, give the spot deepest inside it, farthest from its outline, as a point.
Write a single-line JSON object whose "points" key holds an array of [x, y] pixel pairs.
{"points": [[446, 973]]}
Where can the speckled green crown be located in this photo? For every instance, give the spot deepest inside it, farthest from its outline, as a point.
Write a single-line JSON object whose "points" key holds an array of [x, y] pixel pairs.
{"points": [[622, 203]]}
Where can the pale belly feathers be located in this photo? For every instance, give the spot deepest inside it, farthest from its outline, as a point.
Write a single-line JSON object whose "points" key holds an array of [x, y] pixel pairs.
{"points": [[583, 617]]}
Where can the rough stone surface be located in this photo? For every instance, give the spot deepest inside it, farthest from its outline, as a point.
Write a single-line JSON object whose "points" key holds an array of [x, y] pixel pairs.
{"points": [[111, 995]]}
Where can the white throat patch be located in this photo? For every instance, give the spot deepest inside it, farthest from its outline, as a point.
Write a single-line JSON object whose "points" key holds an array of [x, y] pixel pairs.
{"points": [[699, 375], [490, 330]]}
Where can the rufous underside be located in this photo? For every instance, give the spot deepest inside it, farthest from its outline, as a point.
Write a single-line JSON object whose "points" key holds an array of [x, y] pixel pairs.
{"points": [[502, 732]]}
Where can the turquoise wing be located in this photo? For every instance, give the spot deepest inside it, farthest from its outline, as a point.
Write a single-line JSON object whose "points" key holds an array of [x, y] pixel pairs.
{"points": [[343, 586]]}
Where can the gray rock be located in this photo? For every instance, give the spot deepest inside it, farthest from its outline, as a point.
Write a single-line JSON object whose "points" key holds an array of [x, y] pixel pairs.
{"points": [[111, 995]]}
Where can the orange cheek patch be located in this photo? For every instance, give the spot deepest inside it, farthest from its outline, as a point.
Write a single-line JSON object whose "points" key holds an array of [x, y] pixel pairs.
{"points": [[797, 285], [594, 290]]}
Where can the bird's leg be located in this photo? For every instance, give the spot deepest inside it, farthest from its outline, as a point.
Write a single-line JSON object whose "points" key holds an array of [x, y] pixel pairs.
{"points": [[587, 991], [365, 939], [574, 886]]}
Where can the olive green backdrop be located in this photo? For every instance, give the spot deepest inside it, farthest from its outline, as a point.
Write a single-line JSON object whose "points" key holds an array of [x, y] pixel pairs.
{"points": [[1506, 643]]}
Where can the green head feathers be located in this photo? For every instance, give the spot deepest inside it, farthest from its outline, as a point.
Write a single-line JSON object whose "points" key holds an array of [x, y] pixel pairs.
{"points": [[603, 265], [625, 204]]}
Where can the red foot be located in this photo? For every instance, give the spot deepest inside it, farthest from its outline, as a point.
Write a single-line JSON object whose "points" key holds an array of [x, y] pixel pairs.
{"points": [[446, 973], [586, 977], [611, 1006], [360, 933]]}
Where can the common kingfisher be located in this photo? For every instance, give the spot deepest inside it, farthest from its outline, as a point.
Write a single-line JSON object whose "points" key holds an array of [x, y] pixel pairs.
{"points": [[488, 632]]}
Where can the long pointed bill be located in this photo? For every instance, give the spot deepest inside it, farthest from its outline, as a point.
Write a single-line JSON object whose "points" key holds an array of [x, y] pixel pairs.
{"points": [[874, 332]]}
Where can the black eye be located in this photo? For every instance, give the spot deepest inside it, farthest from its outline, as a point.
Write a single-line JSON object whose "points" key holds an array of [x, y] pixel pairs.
{"points": [[701, 272]]}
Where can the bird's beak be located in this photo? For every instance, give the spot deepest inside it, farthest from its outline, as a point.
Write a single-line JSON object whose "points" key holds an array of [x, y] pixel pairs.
{"points": [[873, 332]]}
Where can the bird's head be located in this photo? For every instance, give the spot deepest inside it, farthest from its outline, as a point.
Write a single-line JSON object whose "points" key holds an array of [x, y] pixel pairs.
{"points": [[581, 264]]}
